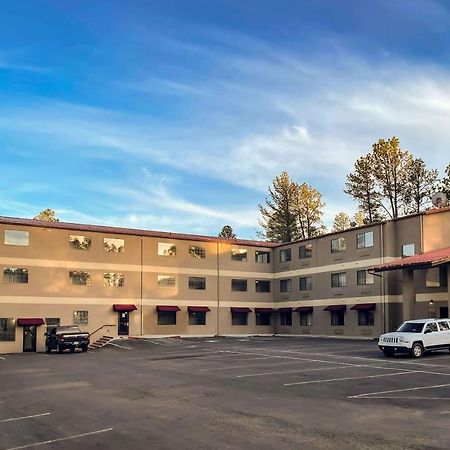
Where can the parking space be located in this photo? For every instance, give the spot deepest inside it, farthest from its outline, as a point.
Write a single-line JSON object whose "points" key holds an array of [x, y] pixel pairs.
{"points": [[263, 393]]}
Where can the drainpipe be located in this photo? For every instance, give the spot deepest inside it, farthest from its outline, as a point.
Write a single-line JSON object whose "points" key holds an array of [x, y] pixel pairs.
{"points": [[218, 288], [142, 286], [383, 281]]}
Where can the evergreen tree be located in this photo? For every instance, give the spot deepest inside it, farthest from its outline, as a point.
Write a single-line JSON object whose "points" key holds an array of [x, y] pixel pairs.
{"points": [[47, 215], [445, 184], [341, 222], [309, 211], [227, 232]]}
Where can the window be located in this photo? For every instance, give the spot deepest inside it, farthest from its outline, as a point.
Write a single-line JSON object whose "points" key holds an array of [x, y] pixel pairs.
{"points": [[263, 318], [433, 277], [305, 251], [80, 278], [7, 329], [262, 257], [444, 326], [198, 283], [197, 318], [408, 250], [286, 318], [51, 322], [337, 245], [114, 245], [339, 279], [306, 319], [197, 252], [167, 249], [337, 318], [238, 285], [80, 317], [167, 317], [366, 318], [285, 255], [13, 275], [112, 279], [286, 285], [166, 281], [14, 237], [262, 285], [364, 240], [239, 254], [305, 283], [363, 278], [80, 242], [431, 328], [239, 318]]}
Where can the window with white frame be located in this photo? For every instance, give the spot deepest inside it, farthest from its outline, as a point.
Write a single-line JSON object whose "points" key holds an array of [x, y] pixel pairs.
{"points": [[363, 278], [285, 255], [338, 245], [286, 285], [16, 237], [80, 317], [262, 257], [339, 279], [305, 283], [364, 240], [166, 281]]}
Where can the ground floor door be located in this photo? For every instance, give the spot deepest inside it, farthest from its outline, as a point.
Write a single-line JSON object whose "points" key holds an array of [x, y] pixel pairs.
{"points": [[443, 312], [124, 323], [29, 338]]}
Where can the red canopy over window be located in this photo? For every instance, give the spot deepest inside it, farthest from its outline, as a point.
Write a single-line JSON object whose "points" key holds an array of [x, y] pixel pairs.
{"points": [[163, 308], [30, 322], [198, 309], [124, 308], [240, 309], [335, 308], [364, 307], [284, 310], [264, 310], [304, 309]]}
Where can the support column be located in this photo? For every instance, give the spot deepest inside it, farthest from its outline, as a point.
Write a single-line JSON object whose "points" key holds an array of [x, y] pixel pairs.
{"points": [[409, 294], [448, 289]]}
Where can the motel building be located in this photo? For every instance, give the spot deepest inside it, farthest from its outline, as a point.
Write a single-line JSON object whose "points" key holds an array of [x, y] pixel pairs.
{"points": [[123, 282]]}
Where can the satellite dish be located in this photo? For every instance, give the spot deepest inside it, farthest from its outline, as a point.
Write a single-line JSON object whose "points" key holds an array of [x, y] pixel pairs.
{"points": [[439, 199]]}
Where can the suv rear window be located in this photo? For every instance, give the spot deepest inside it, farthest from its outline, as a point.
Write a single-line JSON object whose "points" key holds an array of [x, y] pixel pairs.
{"points": [[443, 326], [412, 327]]}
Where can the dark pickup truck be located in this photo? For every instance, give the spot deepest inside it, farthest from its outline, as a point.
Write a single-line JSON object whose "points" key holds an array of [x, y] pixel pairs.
{"points": [[66, 337]]}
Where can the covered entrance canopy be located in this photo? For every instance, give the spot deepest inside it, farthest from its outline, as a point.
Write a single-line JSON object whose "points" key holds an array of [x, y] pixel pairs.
{"points": [[425, 260], [124, 308], [29, 322]]}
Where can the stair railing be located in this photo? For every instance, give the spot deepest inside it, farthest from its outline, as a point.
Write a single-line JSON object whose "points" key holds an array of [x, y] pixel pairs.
{"points": [[100, 328]]}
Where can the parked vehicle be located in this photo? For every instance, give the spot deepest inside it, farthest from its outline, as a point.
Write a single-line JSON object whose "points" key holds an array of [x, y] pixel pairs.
{"points": [[417, 337], [66, 337]]}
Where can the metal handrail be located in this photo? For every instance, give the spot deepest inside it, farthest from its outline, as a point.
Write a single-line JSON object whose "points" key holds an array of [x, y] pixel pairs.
{"points": [[98, 329]]}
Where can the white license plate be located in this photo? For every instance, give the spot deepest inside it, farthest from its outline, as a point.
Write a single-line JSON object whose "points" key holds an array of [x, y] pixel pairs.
{"points": [[76, 343]]}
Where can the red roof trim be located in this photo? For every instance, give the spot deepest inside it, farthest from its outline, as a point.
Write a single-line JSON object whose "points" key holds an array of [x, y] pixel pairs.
{"points": [[336, 308], [198, 309], [30, 322], [165, 308], [422, 260], [130, 231], [364, 307], [124, 308], [240, 309]]}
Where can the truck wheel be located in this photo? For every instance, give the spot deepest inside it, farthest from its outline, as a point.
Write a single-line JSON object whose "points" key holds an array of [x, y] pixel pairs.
{"points": [[84, 348], [60, 348], [47, 349], [72, 349], [417, 350]]}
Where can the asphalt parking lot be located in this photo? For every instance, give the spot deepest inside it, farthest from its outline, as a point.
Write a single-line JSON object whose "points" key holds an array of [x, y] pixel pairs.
{"points": [[225, 393]]}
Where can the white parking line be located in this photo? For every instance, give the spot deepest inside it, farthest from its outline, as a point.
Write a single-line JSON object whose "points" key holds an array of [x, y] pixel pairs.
{"points": [[407, 398], [348, 378], [36, 444], [398, 390], [14, 419], [3, 359], [293, 371], [243, 366], [120, 346]]}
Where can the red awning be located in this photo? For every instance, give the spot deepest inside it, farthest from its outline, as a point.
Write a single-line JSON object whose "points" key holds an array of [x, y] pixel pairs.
{"points": [[264, 310], [284, 310], [163, 308], [364, 307], [124, 308], [423, 260], [30, 322], [198, 309], [304, 309], [335, 308], [240, 309]]}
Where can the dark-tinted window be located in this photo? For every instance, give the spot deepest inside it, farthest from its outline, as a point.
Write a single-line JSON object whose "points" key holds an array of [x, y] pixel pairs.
{"points": [[197, 318], [337, 245], [305, 283], [337, 318], [262, 257], [364, 240], [412, 327], [14, 275], [286, 318], [263, 318], [197, 283], [7, 329], [339, 279], [286, 285], [306, 319], [167, 318], [238, 285], [285, 255], [305, 251], [239, 318], [363, 277], [262, 285], [366, 318]]}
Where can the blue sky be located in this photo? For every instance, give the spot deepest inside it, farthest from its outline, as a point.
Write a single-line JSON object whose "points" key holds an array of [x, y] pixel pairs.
{"points": [[177, 115]]}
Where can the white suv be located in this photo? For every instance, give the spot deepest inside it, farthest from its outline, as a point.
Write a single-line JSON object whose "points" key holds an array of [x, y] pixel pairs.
{"points": [[416, 337]]}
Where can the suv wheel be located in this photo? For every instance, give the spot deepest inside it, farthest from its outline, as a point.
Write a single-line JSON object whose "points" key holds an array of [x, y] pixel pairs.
{"points": [[417, 350]]}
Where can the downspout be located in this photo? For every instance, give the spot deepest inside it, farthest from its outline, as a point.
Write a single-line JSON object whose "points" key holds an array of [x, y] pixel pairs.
{"points": [[142, 286], [383, 281], [218, 288]]}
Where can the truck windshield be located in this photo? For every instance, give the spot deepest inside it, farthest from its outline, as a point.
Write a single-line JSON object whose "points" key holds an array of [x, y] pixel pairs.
{"points": [[61, 330], [412, 327]]}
